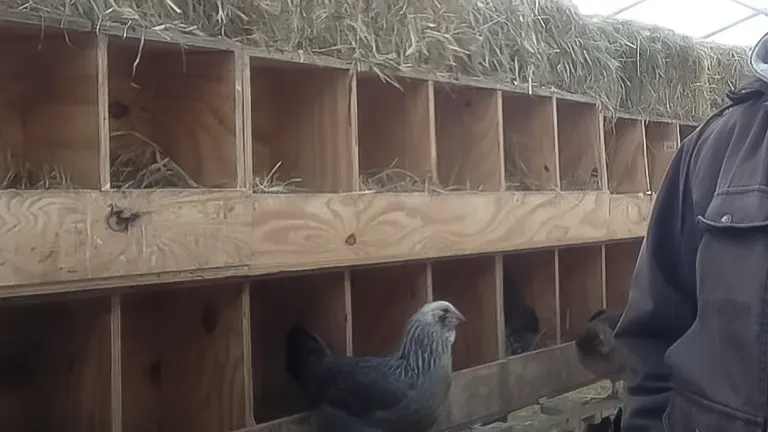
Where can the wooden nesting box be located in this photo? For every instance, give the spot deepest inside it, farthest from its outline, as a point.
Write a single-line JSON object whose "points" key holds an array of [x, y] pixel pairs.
{"points": [[218, 194]]}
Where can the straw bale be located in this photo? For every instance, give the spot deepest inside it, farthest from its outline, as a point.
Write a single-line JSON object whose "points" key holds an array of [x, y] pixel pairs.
{"points": [[626, 66]]}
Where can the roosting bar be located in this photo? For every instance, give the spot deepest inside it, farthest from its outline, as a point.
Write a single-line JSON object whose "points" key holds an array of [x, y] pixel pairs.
{"points": [[530, 143], [172, 116], [471, 285], [55, 366], [530, 276], [662, 141], [303, 128], [317, 302], [620, 261], [383, 299], [49, 130], [579, 146], [625, 155], [183, 359], [468, 122], [396, 135], [581, 287]]}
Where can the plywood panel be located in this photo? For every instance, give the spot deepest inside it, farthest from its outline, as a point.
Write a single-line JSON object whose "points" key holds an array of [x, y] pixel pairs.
{"points": [[530, 142], [662, 142], [579, 146], [625, 153], [581, 287], [77, 241], [620, 261]]}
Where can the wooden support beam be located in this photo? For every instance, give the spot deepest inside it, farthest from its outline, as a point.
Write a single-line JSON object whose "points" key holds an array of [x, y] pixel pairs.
{"points": [[72, 241]]}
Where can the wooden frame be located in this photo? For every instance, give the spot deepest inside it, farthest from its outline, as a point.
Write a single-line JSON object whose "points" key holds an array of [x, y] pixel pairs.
{"points": [[620, 261], [227, 329]]}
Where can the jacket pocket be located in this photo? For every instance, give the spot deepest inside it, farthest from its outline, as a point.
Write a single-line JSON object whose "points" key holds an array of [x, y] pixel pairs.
{"points": [[689, 413]]}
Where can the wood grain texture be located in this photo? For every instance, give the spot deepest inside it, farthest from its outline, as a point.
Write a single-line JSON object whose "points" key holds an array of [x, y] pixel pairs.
{"points": [[470, 285], [581, 287], [395, 126], [184, 361], [529, 142], [383, 299], [490, 390], [306, 120], [55, 366], [624, 142], [314, 301], [60, 241], [579, 146], [49, 116], [469, 146], [535, 276], [620, 261], [182, 101], [662, 141]]}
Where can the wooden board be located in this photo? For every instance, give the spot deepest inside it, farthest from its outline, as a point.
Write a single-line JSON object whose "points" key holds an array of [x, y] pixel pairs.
{"points": [[305, 120], [180, 101], [470, 285], [625, 154], [685, 130], [55, 366], [57, 242], [490, 390], [383, 299], [620, 261], [530, 142], [662, 141], [49, 114], [579, 146], [318, 302], [581, 287], [469, 138], [396, 129], [184, 360], [534, 275]]}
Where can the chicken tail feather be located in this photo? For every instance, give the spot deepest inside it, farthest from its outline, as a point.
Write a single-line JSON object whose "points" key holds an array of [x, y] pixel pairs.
{"points": [[304, 353]]}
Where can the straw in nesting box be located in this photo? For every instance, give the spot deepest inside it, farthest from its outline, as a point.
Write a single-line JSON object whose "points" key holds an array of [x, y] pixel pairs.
{"points": [[270, 184], [139, 163]]}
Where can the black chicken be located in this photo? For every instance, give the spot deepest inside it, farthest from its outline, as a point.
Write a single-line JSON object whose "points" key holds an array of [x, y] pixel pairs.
{"points": [[595, 347], [401, 392], [521, 323]]}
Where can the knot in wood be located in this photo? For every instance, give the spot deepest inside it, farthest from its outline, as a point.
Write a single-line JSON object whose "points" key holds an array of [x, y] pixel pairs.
{"points": [[351, 240], [120, 220]]}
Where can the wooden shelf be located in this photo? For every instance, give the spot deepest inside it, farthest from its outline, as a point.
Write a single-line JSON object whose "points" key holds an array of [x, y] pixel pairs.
{"points": [[625, 155], [55, 366], [60, 242], [471, 284], [49, 110], [179, 102], [662, 141], [183, 362], [620, 261], [580, 146], [581, 287]]}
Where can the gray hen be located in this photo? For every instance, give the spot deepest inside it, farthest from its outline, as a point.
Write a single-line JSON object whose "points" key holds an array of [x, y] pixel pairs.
{"points": [[401, 392], [595, 347]]}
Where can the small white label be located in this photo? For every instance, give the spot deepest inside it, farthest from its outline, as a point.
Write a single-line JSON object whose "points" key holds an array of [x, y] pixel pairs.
{"points": [[670, 146]]}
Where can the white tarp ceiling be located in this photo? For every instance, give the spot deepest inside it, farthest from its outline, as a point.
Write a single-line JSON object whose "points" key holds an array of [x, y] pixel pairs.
{"points": [[736, 22]]}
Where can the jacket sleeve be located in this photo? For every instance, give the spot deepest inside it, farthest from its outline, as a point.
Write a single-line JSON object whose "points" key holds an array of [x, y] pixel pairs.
{"points": [[662, 302]]}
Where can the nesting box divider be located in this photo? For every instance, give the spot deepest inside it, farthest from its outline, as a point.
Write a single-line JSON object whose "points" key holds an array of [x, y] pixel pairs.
{"points": [[318, 302], [184, 360], [580, 149], [469, 283], [531, 276], [396, 136], [530, 142], [625, 154], [55, 365], [49, 114], [303, 128], [662, 140], [383, 299], [581, 275], [469, 138], [620, 261]]}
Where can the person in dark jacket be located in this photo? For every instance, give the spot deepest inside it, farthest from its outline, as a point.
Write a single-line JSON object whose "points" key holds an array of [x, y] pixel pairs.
{"points": [[694, 335]]}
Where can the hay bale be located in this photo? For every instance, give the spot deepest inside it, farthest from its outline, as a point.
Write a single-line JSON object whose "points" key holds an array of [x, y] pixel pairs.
{"points": [[624, 65]]}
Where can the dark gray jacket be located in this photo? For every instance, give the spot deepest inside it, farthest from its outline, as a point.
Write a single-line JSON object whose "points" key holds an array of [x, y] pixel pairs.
{"points": [[694, 335]]}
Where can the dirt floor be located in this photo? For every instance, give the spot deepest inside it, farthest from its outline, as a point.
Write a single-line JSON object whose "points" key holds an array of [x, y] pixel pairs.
{"points": [[558, 414]]}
